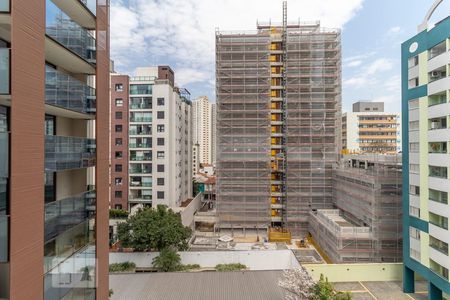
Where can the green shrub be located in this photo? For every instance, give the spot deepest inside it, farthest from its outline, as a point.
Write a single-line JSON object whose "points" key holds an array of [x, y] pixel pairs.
{"points": [[230, 267], [118, 214], [189, 267], [168, 260], [122, 267]]}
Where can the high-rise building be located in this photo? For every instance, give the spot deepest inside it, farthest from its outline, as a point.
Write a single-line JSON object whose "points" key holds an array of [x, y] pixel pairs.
{"points": [[368, 129], [54, 116], [119, 141], [213, 133], [278, 119], [426, 156], [366, 224], [202, 131], [151, 136]]}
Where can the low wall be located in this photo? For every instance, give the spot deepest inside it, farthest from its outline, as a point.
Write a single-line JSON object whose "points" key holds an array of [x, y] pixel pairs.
{"points": [[357, 272], [254, 260], [187, 213]]}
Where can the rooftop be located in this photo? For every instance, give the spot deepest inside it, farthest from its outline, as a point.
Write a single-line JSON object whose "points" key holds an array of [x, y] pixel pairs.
{"points": [[248, 285]]}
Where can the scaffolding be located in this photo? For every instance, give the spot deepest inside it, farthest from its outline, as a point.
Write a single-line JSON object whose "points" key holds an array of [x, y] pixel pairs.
{"points": [[366, 224], [278, 94]]}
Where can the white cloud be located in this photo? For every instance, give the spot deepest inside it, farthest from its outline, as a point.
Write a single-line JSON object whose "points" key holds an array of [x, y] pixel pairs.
{"points": [[369, 74], [354, 63], [394, 30], [184, 30], [379, 65]]}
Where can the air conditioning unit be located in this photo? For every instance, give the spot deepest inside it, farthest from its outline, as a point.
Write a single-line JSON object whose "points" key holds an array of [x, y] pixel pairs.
{"points": [[435, 74]]}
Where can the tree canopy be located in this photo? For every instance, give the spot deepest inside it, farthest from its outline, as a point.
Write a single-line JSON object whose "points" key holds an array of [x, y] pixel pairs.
{"points": [[154, 229]]}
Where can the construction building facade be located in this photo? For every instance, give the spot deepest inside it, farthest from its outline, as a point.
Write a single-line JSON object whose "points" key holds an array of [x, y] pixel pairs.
{"points": [[368, 129], [278, 121], [365, 225]]}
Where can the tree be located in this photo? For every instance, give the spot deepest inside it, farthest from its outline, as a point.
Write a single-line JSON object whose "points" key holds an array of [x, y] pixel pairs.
{"points": [[168, 260], [297, 283], [323, 290], [154, 229]]}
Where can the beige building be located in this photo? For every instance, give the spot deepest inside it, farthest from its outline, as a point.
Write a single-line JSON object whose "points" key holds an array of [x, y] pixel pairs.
{"points": [[202, 121], [368, 129]]}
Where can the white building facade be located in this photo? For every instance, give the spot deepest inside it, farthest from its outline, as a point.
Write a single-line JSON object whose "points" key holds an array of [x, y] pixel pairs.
{"points": [[160, 165], [202, 117]]}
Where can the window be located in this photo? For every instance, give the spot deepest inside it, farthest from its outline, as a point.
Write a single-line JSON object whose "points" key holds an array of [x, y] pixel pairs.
{"points": [[414, 189], [118, 168], [440, 172], [119, 102], [437, 123], [118, 194], [414, 233], [160, 115], [413, 61], [413, 125], [118, 115], [160, 181], [414, 168], [140, 89], [160, 154], [414, 147], [50, 128], [160, 101], [119, 142], [438, 245], [414, 254], [160, 195], [412, 83], [118, 128], [119, 87], [438, 196], [118, 206], [438, 269], [438, 220], [160, 168], [160, 141], [437, 147], [437, 50], [119, 154], [160, 128], [414, 211], [118, 181], [413, 104]]}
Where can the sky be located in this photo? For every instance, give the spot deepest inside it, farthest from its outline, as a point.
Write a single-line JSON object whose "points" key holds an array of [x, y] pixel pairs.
{"points": [[181, 33]]}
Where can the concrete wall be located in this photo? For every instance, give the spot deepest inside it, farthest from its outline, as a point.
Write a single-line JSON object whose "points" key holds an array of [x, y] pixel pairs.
{"points": [[187, 213], [357, 272], [254, 260]]}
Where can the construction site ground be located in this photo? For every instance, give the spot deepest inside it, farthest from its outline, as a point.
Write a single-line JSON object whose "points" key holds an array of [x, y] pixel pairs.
{"points": [[382, 290]]}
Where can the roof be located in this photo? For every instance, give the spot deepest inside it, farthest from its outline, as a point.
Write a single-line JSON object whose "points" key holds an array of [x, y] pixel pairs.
{"points": [[248, 285]]}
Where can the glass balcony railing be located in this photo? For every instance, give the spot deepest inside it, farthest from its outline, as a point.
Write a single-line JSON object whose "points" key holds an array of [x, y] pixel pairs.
{"points": [[74, 278], [4, 239], [68, 33], [4, 6], [63, 153], [65, 91], [64, 214], [91, 5], [5, 67]]}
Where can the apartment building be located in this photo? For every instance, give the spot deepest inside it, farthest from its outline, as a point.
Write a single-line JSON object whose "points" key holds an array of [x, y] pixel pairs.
{"points": [[278, 101], [119, 141], [202, 119], [366, 223], [368, 129], [54, 112], [152, 157], [426, 156]]}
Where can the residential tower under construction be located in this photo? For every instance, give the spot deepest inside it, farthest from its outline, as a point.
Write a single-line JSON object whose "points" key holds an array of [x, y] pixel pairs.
{"points": [[278, 123]]}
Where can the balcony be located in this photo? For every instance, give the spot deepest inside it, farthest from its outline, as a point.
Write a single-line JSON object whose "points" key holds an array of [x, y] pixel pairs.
{"points": [[4, 6], [67, 213], [64, 153], [4, 238], [140, 169], [5, 66], [67, 92], [61, 28]]}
